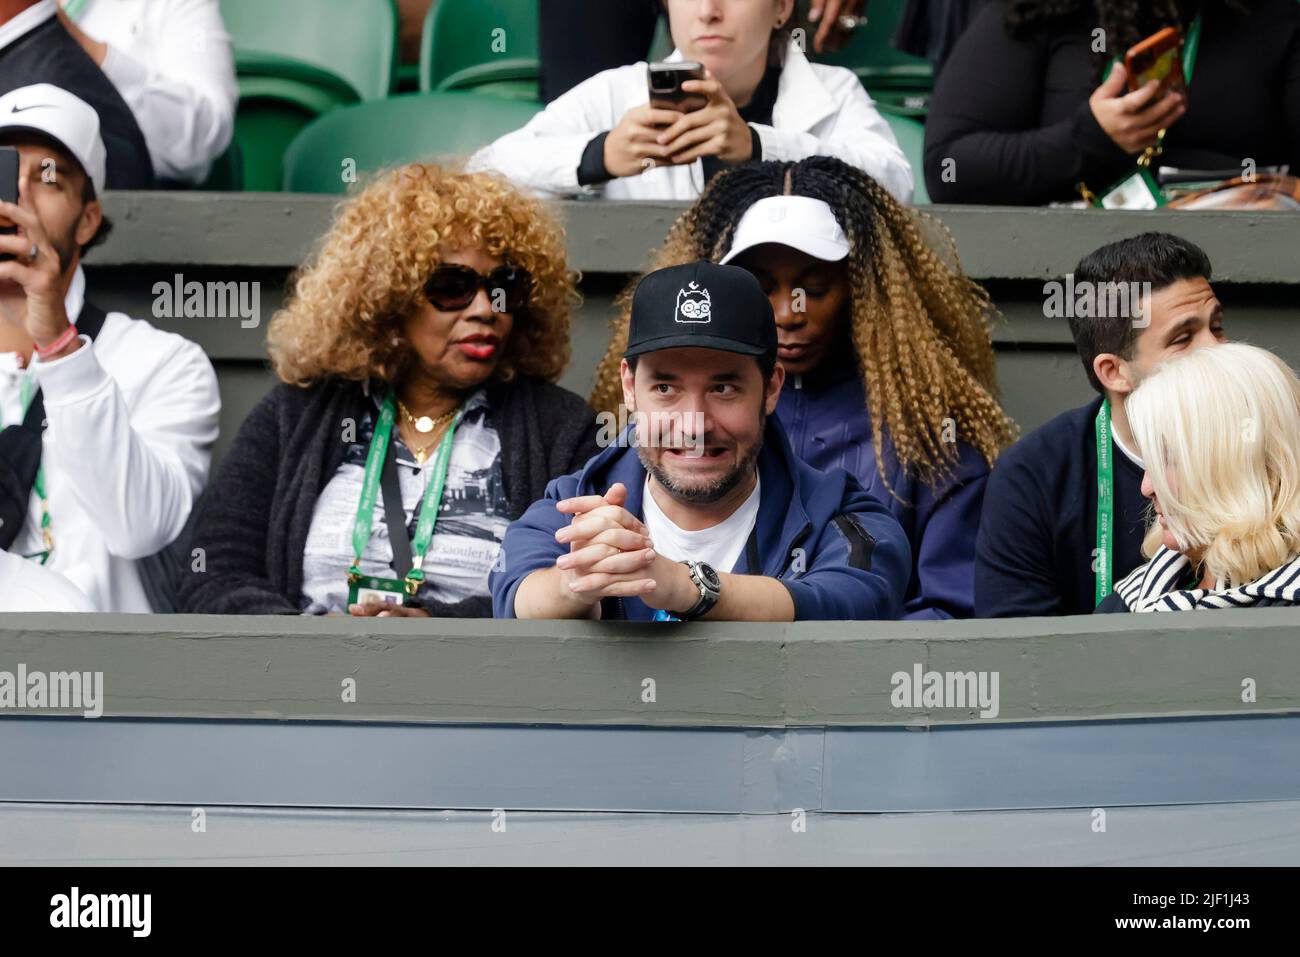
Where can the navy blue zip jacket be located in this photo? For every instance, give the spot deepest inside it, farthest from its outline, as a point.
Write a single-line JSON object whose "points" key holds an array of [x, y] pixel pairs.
{"points": [[826, 417], [838, 550]]}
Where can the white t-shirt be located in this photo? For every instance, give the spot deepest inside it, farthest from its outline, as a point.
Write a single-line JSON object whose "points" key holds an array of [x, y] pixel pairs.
{"points": [[1128, 453], [720, 546]]}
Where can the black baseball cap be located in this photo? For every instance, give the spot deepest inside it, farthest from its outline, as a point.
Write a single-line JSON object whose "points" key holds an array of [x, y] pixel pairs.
{"points": [[701, 305]]}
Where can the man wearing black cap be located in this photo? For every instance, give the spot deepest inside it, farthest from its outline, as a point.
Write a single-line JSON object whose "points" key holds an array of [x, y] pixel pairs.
{"points": [[701, 510]]}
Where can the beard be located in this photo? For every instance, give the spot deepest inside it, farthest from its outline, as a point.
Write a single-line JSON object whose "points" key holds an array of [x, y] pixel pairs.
{"points": [[714, 490]]}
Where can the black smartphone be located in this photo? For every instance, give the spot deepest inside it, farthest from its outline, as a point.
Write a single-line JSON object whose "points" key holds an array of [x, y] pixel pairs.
{"points": [[8, 189], [665, 81]]}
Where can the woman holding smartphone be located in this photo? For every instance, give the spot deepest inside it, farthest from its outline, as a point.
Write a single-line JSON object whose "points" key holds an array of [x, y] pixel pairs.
{"points": [[758, 97], [1029, 105]]}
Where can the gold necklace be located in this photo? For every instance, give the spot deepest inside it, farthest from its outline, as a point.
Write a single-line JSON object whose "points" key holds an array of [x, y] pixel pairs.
{"points": [[424, 424], [421, 453]]}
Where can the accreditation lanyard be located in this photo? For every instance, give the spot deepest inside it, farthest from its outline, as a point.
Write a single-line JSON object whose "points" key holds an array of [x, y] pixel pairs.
{"points": [[26, 392], [359, 585], [1190, 47], [1105, 501], [1130, 190]]}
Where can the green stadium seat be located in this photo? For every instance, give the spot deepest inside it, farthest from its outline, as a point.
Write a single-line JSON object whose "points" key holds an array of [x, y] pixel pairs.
{"points": [[227, 173], [272, 111], [356, 40], [899, 81], [481, 46], [397, 130], [297, 59], [910, 134]]}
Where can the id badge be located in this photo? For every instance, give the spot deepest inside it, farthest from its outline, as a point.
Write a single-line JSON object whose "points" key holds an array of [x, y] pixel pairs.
{"points": [[388, 591], [1137, 190]]}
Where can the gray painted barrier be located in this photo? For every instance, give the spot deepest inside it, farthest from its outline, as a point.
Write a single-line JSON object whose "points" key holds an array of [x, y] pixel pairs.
{"points": [[722, 719], [764, 675]]}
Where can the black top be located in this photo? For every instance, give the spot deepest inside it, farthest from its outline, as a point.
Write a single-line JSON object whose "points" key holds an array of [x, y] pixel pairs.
{"points": [[1038, 529], [48, 54], [255, 516], [591, 170], [1014, 114], [1112, 604]]}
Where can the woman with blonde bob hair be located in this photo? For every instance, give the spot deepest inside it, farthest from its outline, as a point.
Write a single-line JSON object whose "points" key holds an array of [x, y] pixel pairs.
{"points": [[1219, 432], [416, 416]]}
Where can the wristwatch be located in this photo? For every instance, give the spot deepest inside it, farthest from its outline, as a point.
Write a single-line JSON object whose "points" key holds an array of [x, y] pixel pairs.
{"points": [[710, 586]]}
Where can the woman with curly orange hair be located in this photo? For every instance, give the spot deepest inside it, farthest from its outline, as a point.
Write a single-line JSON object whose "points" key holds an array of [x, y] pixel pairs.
{"points": [[889, 364], [417, 414]]}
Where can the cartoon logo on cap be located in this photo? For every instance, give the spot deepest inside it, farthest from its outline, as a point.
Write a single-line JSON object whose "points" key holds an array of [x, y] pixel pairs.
{"points": [[693, 304]]}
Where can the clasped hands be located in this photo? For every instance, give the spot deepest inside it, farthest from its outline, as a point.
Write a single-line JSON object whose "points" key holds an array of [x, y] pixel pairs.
{"points": [[611, 556]]}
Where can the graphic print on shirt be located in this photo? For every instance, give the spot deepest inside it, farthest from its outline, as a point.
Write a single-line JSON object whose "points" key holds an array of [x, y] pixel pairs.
{"points": [[472, 517]]}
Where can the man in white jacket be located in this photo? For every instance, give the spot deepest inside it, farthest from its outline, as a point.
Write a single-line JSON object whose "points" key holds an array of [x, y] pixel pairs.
{"points": [[173, 63], [130, 412], [765, 101]]}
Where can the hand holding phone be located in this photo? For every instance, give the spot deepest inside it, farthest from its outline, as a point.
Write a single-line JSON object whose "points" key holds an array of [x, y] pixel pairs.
{"points": [[1159, 57], [1133, 120], [665, 84], [8, 190]]}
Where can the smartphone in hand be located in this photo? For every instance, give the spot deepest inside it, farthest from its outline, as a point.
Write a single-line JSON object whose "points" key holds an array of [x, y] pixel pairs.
{"points": [[8, 189], [665, 81], [1159, 57]]}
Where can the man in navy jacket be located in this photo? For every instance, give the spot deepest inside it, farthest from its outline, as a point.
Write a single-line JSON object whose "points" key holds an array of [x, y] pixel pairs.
{"points": [[1041, 548], [711, 480]]}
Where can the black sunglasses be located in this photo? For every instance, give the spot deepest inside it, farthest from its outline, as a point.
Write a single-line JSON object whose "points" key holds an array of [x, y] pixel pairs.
{"points": [[454, 287]]}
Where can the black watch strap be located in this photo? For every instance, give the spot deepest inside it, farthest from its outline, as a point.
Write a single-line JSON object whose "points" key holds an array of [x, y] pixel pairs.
{"points": [[707, 598]]}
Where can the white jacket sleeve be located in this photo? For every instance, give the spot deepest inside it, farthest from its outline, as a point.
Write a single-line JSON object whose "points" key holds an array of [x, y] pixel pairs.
{"points": [[856, 134], [544, 155], [136, 472], [184, 100]]}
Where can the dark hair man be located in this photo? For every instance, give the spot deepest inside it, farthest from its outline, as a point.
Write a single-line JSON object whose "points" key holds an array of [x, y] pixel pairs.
{"points": [[108, 422], [712, 515], [1064, 514]]}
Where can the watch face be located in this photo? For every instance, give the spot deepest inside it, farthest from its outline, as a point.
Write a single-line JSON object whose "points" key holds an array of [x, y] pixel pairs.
{"points": [[710, 578]]}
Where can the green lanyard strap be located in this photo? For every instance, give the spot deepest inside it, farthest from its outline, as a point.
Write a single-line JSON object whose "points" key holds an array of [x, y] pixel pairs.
{"points": [[1191, 46], [1105, 502], [361, 530]]}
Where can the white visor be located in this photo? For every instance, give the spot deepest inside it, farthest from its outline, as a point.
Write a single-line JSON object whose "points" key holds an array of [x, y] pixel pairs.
{"points": [[800, 222]]}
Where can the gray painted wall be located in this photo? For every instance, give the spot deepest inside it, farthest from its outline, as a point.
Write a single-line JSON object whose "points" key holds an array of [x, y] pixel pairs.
{"points": [[751, 675], [251, 237]]}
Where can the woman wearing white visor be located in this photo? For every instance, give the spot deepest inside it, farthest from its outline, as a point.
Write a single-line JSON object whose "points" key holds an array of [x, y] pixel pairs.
{"points": [[889, 364]]}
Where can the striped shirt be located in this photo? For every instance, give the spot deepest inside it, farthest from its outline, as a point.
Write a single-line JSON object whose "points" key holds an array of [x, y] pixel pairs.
{"points": [[1167, 583]]}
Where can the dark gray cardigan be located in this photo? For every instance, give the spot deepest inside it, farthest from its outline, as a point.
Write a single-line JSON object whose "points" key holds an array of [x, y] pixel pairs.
{"points": [[254, 518]]}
